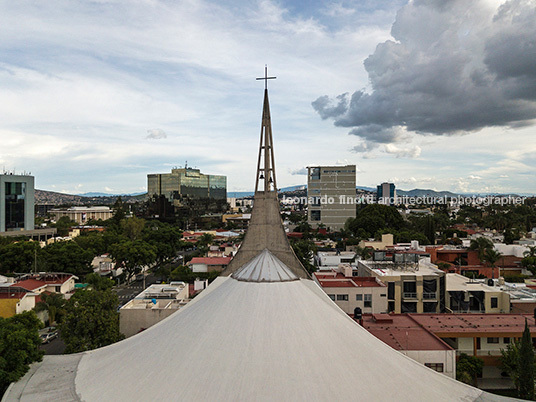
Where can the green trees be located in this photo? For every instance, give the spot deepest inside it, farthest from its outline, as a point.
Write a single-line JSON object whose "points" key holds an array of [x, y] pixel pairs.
{"points": [[91, 321], [526, 365], [304, 250], [481, 244], [518, 361], [165, 238], [98, 282], [53, 303], [68, 256], [18, 256], [468, 368], [491, 256], [63, 225], [529, 260], [133, 255], [19, 346], [376, 217]]}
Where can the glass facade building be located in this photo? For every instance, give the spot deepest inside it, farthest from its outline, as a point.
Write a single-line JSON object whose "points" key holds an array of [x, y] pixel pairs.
{"points": [[187, 182], [16, 202]]}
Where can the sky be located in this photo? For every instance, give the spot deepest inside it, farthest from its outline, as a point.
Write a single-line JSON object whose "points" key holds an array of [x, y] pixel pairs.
{"points": [[435, 94]]}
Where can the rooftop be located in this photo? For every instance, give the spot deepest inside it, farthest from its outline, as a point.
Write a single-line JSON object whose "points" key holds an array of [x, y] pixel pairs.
{"points": [[401, 332], [389, 268], [210, 260], [340, 281], [456, 282]]}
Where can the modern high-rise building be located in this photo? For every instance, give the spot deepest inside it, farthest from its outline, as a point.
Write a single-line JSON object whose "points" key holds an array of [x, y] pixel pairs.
{"points": [[187, 182], [386, 193], [17, 199], [331, 195]]}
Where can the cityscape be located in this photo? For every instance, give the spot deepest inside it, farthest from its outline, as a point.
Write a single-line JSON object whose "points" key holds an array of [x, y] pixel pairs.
{"points": [[151, 249]]}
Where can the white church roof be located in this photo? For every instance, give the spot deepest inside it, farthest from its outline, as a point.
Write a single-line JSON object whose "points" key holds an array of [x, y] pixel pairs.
{"points": [[266, 267]]}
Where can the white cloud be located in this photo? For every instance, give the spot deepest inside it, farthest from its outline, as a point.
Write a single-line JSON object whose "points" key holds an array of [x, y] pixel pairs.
{"points": [[156, 134], [411, 152]]}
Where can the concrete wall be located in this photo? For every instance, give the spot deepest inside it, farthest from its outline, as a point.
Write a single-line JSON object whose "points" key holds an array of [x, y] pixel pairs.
{"points": [[132, 321], [379, 302], [446, 357]]}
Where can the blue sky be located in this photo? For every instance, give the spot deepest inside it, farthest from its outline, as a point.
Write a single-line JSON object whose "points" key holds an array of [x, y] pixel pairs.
{"points": [[94, 95]]}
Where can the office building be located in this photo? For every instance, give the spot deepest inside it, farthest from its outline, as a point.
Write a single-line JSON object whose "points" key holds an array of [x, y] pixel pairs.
{"points": [[187, 182], [83, 214], [386, 193], [331, 195], [16, 202]]}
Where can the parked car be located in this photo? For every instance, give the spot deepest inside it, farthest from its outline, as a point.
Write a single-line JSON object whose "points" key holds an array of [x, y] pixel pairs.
{"points": [[49, 336]]}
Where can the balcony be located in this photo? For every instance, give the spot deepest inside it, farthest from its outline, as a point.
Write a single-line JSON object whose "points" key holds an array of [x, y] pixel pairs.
{"points": [[429, 296], [409, 295]]}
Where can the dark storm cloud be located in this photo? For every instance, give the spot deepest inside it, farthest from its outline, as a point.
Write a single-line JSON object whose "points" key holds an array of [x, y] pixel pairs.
{"points": [[456, 67]]}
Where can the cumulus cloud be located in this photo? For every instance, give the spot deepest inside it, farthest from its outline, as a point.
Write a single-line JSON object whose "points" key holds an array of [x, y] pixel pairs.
{"points": [[300, 171], [453, 67], [156, 134], [411, 152]]}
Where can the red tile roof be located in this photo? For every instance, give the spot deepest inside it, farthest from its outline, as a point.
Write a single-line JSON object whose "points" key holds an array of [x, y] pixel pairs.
{"points": [[402, 333], [31, 284]]}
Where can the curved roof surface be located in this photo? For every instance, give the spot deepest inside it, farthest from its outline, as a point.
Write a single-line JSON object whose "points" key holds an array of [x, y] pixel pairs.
{"points": [[245, 341]]}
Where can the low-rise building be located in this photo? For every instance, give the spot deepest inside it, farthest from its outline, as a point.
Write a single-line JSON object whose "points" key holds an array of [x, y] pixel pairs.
{"points": [[350, 292], [15, 300], [207, 264], [401, 333], [465, 295], [83, 214], [416, 286], [386, 241], [151, 306], [53, 282], [327, 260]]}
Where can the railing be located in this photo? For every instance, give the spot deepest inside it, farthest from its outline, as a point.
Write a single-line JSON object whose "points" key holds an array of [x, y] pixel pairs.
{"points": [[409, 295], [429, 296]]}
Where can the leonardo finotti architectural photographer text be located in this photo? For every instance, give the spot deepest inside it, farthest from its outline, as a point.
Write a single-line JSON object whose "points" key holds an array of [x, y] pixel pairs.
{"points": [[407, 200]]}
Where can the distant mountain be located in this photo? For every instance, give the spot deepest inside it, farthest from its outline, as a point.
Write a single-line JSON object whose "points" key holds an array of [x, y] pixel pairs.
{"points": [[425, 193], [109, 195], [366, 188], [54, 198]]}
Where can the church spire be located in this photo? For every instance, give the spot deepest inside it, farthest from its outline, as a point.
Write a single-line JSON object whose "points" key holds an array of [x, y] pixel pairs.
{"points": [[265, 232], [266, 163]]}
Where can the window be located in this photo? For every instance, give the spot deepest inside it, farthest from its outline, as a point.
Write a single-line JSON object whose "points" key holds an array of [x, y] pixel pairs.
{"points": [[332, 297], [315, 173], [342, 297], [391, 306], [315, 215], [435, 366], [506, 340], [410, 290], [494, 302], [390, 290], [493, 340], [368, 301], [359, 297], [383, 295]]}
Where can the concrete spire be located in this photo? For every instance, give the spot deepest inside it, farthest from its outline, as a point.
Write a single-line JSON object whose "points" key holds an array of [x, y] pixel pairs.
{"points": [[265, 229]]}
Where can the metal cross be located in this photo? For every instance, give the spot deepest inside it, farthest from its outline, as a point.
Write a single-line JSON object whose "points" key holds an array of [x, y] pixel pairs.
{"points": [[266, 78]]}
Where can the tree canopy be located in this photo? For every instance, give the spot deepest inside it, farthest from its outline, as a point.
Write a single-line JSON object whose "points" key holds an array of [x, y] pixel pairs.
{"points": [[91, 320], [19, 346]]}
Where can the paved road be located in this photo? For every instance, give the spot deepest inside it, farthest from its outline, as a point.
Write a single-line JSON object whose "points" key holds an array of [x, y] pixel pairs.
{"points": [[125, 293], [54, 347]]}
